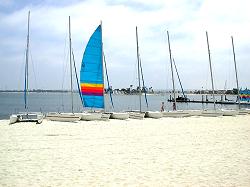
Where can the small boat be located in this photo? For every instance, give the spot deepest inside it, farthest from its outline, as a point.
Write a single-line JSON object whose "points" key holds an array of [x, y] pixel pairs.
{"points": [[243, 112], [136, 114], [194, 112], [211, 113], [229, 112], [176, 113], [90, 116], [105, 116], [27, 117], [153, 114], [119, 115], [64, 117]]}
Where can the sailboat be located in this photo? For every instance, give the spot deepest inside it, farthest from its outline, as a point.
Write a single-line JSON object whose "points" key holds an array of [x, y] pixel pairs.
{"points": [[174, 112], [214, 112], [92, 80], [27, 116], [134, 114], [66, 117], [112, 115]]}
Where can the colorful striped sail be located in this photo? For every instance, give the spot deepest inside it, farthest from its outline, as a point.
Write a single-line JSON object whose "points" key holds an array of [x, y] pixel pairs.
{"points": [[91, 75], [245, 95]]}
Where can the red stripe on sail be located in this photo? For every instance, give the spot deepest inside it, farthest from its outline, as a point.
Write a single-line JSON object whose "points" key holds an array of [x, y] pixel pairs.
{"points": [[93, 93]]}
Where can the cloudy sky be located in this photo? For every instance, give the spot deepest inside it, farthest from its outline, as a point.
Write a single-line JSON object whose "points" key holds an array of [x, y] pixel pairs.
{"points": [[186, 21]]}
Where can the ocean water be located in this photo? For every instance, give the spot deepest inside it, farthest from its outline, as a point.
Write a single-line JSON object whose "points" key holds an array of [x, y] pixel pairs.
{"points": [[61, 102]]}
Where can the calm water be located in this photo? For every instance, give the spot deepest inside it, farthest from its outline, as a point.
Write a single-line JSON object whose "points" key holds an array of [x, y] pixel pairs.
{"points": [[61, 102]]}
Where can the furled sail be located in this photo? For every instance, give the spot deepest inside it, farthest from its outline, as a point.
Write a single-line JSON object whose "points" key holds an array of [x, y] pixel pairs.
{"points": [[91, 75]]}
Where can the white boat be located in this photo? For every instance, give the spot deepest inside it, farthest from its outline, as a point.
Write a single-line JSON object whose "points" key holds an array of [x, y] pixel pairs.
{"points": [[153, 114], [243, 112], [105, 116], [229, 112], [211, 113], [175, 113], [194, 112], [90, 116], [119, 115], [26, 117], [64, 117], [136, 115]]}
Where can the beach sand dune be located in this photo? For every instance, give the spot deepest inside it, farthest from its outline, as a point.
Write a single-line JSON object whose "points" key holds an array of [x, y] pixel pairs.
{"points": [[194, 151]]}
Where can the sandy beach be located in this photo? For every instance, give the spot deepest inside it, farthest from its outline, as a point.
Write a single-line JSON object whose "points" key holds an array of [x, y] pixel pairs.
{"points": [[194, 151]]}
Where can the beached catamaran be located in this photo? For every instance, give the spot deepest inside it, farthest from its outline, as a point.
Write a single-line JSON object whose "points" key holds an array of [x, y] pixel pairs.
{"points": [[26, 116], [67, 117], [174, 112], [92, 80]]}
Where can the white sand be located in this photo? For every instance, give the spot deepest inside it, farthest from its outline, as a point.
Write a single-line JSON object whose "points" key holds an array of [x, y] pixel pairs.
{"points": [[195, 151]]}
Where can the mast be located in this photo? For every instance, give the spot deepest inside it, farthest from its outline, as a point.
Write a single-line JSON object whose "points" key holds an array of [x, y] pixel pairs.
{"points": [[26, 87], [70, 60], [211, 71], [171, 63], [138, 61], [236, 74]]}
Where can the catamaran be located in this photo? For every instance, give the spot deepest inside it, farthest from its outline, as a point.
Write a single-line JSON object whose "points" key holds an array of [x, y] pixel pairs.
{"points": [[92, 80], [27, 116], [174, 112], [214, 112], [66, 117]]}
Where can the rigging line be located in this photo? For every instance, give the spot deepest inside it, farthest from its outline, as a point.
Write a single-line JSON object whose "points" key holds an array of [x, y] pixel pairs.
{"points": [[179, 79], [77, 80], [33, 69], [143, 83], [106, 70]]}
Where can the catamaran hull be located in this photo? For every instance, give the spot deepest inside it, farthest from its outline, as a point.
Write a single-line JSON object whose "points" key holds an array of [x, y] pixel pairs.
{"points": [[91, 116], [153, 114], [227, 112], [211, 113], [119, 115], [63, 117], [26, 117], [175, 114], [136, 115], [105, 116]]}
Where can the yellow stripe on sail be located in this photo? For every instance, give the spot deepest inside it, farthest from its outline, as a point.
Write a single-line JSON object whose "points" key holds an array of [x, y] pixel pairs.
{"points": [[92, 85]]}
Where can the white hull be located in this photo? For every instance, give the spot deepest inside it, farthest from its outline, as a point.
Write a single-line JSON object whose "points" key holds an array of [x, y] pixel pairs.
{"points": [[229, 112], [243, 112], [175, 114], [194, 112], [211, 113], [26, 117], [64, 117], [119, 115], [153, 114], [13, 118], [90, 116], [136, 115], [105, 116]]}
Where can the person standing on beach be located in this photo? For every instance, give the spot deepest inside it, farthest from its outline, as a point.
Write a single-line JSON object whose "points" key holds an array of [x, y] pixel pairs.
{"points": [[162, 107]]}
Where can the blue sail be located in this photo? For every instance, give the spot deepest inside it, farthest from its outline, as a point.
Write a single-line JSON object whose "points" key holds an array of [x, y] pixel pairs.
{"points": [[91, 75]]}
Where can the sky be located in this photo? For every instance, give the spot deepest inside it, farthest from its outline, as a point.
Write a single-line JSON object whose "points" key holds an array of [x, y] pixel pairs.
{"points": [[186, 21]]}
